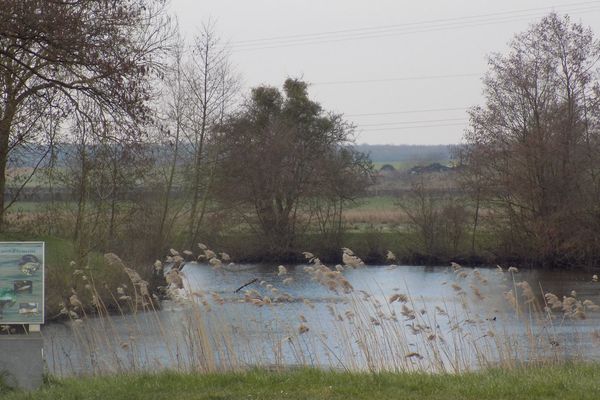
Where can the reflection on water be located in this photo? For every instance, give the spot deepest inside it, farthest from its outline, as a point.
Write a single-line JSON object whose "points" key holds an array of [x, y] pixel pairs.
{"points": [[452, 320]]}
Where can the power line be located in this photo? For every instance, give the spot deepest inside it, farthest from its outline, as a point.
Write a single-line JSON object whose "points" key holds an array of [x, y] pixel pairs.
{"points": [[412, 122], [403, 33], [410, 127], [396, 26], [408, 111], [383, 33], [374, 35], [408, 78], [387, 28]]}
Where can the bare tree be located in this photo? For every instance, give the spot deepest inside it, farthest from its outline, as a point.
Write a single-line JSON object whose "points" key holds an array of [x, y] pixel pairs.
{"points": [[53, 53], [533, 142], [99, 167], [198, 88], [436, 215], [212, 85], [473, 183], [175, 107]]}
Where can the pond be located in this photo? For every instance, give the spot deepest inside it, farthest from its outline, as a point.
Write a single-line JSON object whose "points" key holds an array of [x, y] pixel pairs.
{"points": [[368, 318]]}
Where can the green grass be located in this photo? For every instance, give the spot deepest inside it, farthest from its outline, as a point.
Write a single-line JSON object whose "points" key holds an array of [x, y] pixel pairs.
{"points": [[553, 382], [61, 206], [28, 206], [58, 250]]}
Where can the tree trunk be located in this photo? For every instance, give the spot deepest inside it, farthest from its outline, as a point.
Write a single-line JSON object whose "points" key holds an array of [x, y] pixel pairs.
{"points": [[81, 201], [475, 221], [165, 211], [5, 125], [197, 168], [4, 135], [113, 201], [205, 198]]}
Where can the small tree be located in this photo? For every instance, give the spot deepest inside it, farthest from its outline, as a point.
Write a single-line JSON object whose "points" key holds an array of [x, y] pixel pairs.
{"points": [[198, 87], [101, 165], [436, 216], [280, 153], [212, 86]]}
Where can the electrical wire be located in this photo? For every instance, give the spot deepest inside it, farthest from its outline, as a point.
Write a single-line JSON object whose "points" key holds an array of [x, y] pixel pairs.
{"points": [[408, 111], [412, 122], [410, 127], [396, 26], [394, 32], [408, 78]]}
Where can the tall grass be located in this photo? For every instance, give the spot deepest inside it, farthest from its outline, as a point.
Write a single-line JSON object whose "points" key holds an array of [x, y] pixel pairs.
{"points": [[352, 330]]}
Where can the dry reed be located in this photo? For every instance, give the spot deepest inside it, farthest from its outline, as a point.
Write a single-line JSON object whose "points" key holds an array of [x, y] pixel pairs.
{"points": [[364, 330]]}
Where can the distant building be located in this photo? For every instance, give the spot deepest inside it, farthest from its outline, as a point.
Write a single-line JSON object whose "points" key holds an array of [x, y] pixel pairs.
{"points": [[386, 171], [435, 167]]}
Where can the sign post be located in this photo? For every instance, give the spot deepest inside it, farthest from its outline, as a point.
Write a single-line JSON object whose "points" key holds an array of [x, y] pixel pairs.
{"points": [[22, 303]]}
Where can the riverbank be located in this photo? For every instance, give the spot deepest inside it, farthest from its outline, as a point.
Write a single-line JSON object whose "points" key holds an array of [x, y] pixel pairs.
{"points": [[87, 276], [567, 381], [372, 247]]}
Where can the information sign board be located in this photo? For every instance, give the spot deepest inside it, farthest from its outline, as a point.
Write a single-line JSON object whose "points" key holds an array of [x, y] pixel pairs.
{"points": [[21, 283]]}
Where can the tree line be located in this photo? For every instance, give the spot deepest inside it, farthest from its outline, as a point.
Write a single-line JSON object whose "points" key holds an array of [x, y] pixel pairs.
{"points": [[529, 162], [533, 148], [157, 144], [113, 101]]}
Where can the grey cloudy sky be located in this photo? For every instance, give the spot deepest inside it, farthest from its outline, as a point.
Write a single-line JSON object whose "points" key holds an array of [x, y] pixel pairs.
{"points": [[402, 71]]}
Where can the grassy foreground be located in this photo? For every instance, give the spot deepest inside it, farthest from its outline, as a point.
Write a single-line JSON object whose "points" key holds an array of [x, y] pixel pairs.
{"points": [[554, 382]]}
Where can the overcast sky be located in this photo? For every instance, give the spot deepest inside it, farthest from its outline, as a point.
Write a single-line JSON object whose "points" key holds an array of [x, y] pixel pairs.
{"points": [[403, 71]]}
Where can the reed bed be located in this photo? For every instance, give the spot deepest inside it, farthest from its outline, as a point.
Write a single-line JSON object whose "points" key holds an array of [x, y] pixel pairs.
{"points": [[488, 319]]}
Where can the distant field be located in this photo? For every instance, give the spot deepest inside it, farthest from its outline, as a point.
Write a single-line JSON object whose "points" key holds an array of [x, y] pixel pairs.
{"points": [[16, 177], [28, 206], [382, 211], [374, 203]]}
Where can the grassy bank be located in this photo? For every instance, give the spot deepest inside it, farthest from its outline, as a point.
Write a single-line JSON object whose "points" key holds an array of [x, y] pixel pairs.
{"points": [[372, 226], [371, 245], [553, 382], [68, 273]]}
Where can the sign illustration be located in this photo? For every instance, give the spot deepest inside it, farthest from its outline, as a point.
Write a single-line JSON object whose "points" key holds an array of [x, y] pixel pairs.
{"points": [[21, 283]]}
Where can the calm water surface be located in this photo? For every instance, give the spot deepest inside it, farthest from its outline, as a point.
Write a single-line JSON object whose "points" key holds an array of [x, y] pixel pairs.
{"points": [[269, 335]]}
